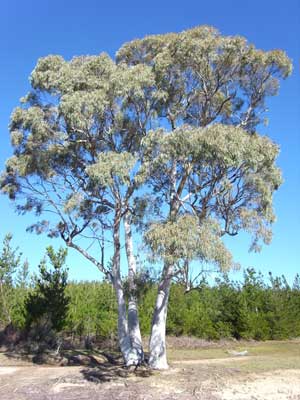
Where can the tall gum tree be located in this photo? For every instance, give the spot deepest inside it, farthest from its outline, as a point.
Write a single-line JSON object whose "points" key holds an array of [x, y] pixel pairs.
{"points": [[76, 141], [229, 180], [206, 79], [95, 139]]}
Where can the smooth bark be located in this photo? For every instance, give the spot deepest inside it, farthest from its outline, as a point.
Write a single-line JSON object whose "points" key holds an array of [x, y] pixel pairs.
{"points": [[124, 340], [133, 318], [129, 354], [157, 344]]}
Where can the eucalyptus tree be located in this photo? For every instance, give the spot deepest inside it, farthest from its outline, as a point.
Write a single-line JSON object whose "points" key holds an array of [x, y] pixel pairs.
{"points": [[76, 141], [164, 139], [205, 162]]}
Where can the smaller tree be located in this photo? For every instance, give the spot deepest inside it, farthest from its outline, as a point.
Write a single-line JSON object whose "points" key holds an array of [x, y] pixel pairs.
{"points": [[9, 262], [22, 279], [19, 293], [46, 307]]}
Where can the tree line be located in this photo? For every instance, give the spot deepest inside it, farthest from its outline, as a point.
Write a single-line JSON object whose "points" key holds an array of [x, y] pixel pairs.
{"points": [[254, 307]]}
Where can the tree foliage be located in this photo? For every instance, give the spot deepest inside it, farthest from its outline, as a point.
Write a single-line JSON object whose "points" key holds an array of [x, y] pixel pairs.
{"points": [[83, 146]]}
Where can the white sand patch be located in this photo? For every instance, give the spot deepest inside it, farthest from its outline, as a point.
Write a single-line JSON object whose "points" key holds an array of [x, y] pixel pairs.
{"points": [[276, 385], [7, 370]]}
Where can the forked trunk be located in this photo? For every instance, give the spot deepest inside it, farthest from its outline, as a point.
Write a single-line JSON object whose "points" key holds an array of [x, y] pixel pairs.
{"points": [[133, 318], [157, 344]]}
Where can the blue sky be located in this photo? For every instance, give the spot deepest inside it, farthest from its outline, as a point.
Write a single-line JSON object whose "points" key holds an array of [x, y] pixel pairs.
{"points": [[32, 29]]}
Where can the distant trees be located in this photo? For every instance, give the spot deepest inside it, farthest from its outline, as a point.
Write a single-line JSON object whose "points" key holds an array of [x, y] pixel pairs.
{"points": [[40, 303], [251, 308], [92, 311], [164, 140], [256, 307]]}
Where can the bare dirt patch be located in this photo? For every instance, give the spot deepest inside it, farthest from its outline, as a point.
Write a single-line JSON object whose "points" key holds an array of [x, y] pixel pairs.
{"points": [[271, 371], [213, 361], [278, 385], [7, 370]]}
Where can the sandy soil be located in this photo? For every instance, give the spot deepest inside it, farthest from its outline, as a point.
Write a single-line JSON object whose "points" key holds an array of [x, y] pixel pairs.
{"points": [[218, 379], [277, 385]]}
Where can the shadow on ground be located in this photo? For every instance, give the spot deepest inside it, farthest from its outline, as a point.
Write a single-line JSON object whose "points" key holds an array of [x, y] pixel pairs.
{"points": [[101, 367], [107, 372], [113, 369]]}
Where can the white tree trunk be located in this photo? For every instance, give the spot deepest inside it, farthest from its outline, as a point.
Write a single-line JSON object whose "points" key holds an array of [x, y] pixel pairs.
{"points": [[124, 339], [157, 344], [129, 354], [133, 318]]}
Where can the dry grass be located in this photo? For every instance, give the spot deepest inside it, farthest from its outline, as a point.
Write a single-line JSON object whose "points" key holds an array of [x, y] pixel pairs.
{"points": [[210, 350]]}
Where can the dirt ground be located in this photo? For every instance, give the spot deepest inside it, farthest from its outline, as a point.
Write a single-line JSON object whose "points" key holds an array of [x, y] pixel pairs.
{"points": [[270, 371]]}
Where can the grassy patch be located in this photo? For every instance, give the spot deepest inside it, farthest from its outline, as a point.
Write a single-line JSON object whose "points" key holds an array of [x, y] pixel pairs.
{"points": [[262, 356]]}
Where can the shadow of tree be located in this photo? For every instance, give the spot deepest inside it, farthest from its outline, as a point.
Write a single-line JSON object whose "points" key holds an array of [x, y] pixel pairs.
{"points": [[113, 370], [17, 356], [70, 358], [100, 366]]}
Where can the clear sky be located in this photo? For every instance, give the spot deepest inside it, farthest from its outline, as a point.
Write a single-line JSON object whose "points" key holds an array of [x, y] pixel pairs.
{"points": [[33, 28]]}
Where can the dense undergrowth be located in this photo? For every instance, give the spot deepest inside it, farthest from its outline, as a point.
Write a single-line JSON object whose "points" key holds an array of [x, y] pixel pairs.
{"points": [[252, 308]]}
